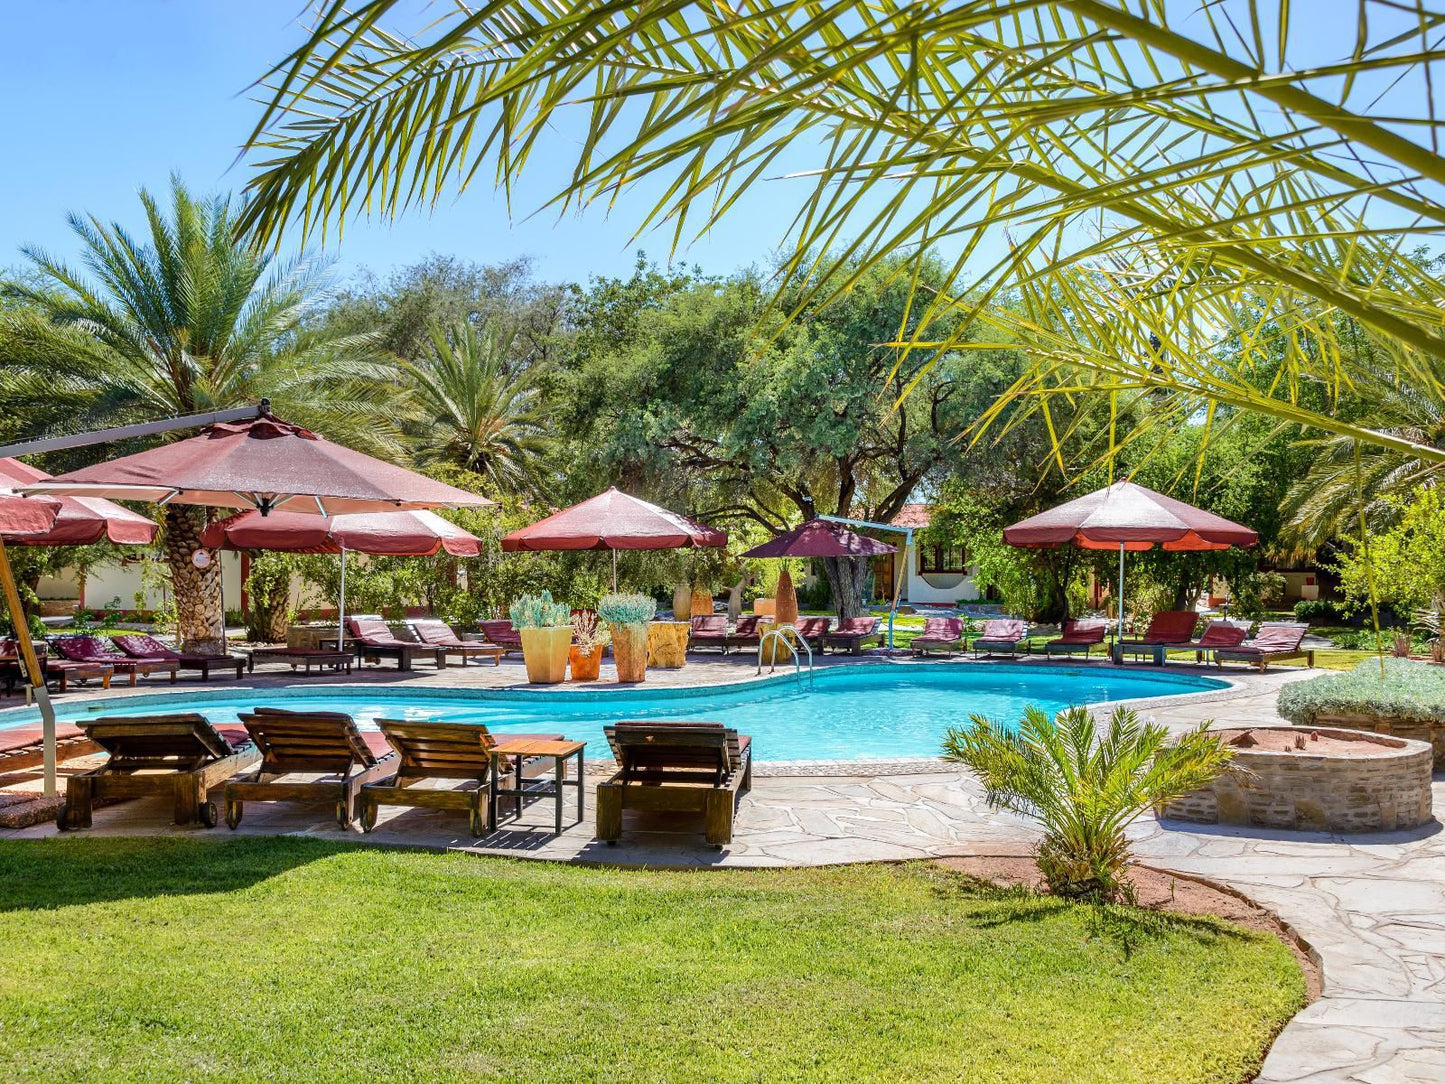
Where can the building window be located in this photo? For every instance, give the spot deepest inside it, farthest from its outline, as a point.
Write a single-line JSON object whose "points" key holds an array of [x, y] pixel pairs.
{"points": [[943, 559]]}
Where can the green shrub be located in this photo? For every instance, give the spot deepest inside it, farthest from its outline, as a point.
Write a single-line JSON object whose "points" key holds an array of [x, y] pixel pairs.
{"points": [[539, 612], [1319, 611], [1409, 690], [626, 609], [1085, 783]]}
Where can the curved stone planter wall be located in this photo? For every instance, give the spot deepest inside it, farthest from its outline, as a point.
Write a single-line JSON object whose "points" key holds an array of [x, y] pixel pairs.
{"points": [[1381, 785], [1430, 731]]}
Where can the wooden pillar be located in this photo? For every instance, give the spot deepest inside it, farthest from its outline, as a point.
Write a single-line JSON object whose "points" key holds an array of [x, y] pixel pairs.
{"points": [[34, 673]]}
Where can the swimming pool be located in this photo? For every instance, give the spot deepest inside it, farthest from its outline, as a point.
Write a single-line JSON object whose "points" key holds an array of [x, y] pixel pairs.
{"points": [[850, 713]]}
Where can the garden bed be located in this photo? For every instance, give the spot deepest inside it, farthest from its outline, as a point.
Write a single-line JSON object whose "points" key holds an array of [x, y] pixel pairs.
{"points": [[1409, 702]]}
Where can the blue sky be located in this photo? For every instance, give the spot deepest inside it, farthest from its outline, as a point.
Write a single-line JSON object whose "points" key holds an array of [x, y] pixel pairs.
{"points": [[117, 94]]}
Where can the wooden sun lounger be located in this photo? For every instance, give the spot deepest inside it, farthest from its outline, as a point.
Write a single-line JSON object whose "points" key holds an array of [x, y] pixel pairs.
{"points": [[746, 633], [183, 756], [23, 747], [938, 632], [710, 630], [90, 651], [1275, 642], [677, 767], [852, 634], [502, 633], [460, 752], [438, 634], [1218, 636], [149, 649], [1001, 636], [321, 743], [814, 630], [1169, 630], [1079, 636], [371, 638]]}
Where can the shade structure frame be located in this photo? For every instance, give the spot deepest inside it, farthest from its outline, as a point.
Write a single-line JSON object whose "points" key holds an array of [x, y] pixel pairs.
{"points": [[22, 518]]}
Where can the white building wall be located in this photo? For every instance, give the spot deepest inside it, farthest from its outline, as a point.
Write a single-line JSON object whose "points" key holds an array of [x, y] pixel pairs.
{"points": [[118, 583], [935, 588]]}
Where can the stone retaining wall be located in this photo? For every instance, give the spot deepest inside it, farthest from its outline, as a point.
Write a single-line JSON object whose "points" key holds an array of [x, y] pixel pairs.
{"points": [[1425, 730], [1376, 791]]}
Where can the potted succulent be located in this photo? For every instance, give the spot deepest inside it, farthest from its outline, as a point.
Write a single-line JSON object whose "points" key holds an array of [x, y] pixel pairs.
{"points": [[588, 640], [545, 627], [627, 617]]}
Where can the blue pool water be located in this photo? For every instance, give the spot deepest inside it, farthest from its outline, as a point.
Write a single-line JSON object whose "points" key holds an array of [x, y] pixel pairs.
{"points": [[851, 713]]}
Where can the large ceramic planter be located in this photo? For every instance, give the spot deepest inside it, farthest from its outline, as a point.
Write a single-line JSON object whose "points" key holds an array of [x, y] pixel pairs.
{"points": [[585, 664], [667, 645], [545, 653], [629, 651], [681, 602]]}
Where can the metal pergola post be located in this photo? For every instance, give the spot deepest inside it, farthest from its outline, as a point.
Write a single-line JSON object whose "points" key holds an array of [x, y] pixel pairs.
{"points": [[907, 533]]}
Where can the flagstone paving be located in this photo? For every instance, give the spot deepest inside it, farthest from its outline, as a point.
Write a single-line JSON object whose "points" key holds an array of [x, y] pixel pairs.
{"points": [[1371, 906]]}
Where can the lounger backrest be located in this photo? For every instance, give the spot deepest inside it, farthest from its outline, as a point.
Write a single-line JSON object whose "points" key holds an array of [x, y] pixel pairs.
{"points": [[812, 627], [184, 741], [370, 628], [306, 741], [86, 649], [857, 626], [430, 630], [1223, 634], [1088, 630], [1171, 627], [747, 626], [709, 750], [710, 626], [1007, 630], [437, 750], [144, 647], [501, 632], [1278, 636]]}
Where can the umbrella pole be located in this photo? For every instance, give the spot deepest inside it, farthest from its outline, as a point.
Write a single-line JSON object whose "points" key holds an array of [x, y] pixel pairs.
{"points": [[341, 607], [1119, 636], [33, 671], [614, 572]]}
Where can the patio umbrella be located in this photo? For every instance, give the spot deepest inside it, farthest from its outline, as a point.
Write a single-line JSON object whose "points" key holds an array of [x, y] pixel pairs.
{"points": [[1130, 517], [613, 521], [391, 534], [81, 521], [826, 538], [22, 518], [266, 464]]}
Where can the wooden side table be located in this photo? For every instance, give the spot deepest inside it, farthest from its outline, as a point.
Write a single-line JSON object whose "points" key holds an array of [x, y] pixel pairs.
{"points": [[521, 751]]}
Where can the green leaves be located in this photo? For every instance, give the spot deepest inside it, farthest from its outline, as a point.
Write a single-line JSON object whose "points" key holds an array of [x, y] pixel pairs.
{"points": [[1085, 783]]}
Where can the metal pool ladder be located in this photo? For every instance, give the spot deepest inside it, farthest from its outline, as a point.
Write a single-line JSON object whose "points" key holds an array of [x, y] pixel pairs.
{"points": [[780, 633]]}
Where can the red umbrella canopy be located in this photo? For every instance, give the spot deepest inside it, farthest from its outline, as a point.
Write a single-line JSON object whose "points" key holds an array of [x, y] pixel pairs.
{"points": [[613, 521], [821, 538], [392, 534], [265, 464], [80, 521], [1134, 515], [23, 518]]}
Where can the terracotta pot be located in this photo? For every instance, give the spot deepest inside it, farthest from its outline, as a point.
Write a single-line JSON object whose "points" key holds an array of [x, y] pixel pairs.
{"points": [[681, 602], [763, 607], [585, 664], [629, 651], [701, 602], [545, 653]]}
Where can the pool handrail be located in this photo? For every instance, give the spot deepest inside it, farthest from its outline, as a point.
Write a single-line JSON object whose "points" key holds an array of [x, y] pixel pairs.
{"points": [[779, 632]]}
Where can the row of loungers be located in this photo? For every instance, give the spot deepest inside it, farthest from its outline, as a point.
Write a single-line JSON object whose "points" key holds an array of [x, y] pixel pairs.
{"points": [[695, 767], [852, 635]]}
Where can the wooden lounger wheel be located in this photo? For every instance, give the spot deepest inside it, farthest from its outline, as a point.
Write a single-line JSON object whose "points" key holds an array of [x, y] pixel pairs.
{"points": [[366, 814]]}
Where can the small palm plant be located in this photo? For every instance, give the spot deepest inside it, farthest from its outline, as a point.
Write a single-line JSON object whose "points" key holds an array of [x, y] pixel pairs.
{"points": [[1086, 784]]}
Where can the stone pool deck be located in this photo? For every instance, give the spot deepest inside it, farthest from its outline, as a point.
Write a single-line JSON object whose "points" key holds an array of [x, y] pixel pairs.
{"points": [[1372, 907]]}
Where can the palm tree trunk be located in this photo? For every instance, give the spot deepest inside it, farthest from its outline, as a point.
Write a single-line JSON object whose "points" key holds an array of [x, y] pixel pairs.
{"points": [[197, 590]]}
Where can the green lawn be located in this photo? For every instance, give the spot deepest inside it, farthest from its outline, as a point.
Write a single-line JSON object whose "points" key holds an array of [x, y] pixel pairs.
{"points": [[290, 959]]}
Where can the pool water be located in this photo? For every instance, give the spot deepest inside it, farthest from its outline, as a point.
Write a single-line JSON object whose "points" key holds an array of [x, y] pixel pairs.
{"points": [[849, 713]]}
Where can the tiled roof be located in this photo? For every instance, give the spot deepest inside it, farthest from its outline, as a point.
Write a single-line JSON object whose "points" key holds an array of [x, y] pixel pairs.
{"points": [[913, 515]]}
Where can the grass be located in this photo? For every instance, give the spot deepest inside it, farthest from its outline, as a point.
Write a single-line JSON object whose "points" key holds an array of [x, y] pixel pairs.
{"points": [[288, 959]]}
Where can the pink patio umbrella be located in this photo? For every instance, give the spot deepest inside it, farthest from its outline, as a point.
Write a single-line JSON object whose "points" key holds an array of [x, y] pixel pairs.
{"points": [[266, 464], [22, 518], [826, 538], [613, 521], [81, 521], [1130, 517], [416, 533]]}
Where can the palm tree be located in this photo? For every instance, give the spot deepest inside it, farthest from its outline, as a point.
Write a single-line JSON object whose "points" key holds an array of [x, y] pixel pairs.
{"points": [[1086, 784], [1168, 173], [474, 410], [185, 318]]}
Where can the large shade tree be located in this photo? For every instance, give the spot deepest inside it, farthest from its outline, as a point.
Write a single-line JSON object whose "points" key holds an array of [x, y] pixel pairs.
{"points": [[1139, 175], [181, 318]]}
